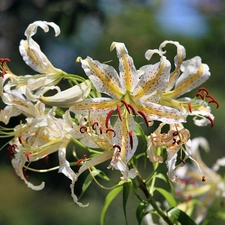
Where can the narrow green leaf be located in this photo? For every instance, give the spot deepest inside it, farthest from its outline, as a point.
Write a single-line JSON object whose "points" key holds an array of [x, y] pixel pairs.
{"points": [[88, 181], [109, 198], [169, 198], [126, 190], [140, 212], [181, 216]]}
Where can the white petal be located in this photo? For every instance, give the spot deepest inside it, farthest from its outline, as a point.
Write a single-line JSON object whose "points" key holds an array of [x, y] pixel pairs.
{"points": [[69, 97], [128, 72], [104, 77], [67, 171], [31, 52], [18, 164]]}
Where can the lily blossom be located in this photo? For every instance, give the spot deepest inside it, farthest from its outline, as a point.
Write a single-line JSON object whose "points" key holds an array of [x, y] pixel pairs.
{"points": [[190, 183], [38, 138], [131, 93], [187, 76], [173, 141]]}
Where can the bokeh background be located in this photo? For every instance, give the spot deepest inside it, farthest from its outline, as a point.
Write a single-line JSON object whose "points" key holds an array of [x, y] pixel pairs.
{"points": [[88, 27]]}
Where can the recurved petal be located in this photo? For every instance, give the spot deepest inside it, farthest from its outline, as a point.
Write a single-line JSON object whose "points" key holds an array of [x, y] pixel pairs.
{"points": [[31, 52], [154, 79], [67, 171], [171, 162], [194, 74], [18, 163], [178, 59], [128, 72], [67, 98], [104, 77], [161, 113]]}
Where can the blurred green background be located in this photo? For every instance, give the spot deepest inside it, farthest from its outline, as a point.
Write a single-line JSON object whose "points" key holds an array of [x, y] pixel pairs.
{"points": [[88, 27]]}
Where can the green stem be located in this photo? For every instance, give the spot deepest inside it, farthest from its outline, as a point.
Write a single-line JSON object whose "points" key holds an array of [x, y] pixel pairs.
{"points": [[151, 200]]}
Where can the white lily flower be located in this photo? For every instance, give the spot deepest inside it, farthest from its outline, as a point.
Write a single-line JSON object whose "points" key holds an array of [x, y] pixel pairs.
{"points": [[38, 138], [187, 76], [172, 141], [130, 92], [191, 184]]}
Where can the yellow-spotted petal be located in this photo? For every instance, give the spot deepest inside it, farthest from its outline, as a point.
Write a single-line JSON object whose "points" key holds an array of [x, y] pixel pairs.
{"points": [[70, 96], [181, 54], [31, 52], [104, 77], [94, 105], [194, 74], [154, 79], [128, 73], [161, 113]]}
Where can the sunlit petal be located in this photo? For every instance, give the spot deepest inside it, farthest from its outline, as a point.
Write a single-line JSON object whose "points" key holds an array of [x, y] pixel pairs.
{"points": [[194, 74], [67, 98], [178, 59], [31, 52], [127, 69], [96, 105], [104, 77], [18, 163]]}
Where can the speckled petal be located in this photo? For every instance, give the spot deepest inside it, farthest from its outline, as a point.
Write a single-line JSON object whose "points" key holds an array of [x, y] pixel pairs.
{"points": [[31, 52], [94, 105], [154, 79], [178, 59], [128, 72], [161, 113], [104, 77], [194, 74]]}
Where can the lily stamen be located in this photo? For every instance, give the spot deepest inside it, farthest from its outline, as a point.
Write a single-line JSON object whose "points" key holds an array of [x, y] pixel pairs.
{"points": [[189, 107], [132, 109], [125, 103], [203, 89], [108, 117], [112, 130], [83, 129], [211, 120], [131, 139], [94, 125], [144, 117], [203, 179]]}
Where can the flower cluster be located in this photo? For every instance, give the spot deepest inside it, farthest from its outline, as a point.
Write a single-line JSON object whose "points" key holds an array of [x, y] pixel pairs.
{"points": [[106, 112]]}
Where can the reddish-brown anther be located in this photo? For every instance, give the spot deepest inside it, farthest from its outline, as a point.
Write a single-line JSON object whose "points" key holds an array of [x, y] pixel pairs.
{"points": [[132, 109], [125, 103], [131, 139], [211, 120], [117, 146], [144, 116], [108, 117], [182, 160], [11, 151], [200, 95], [4, 60], [203, 89], [79, 161], [111, 130], [203, 179], [28, 156], [83, 129], [189, 107], [94, 125]]}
